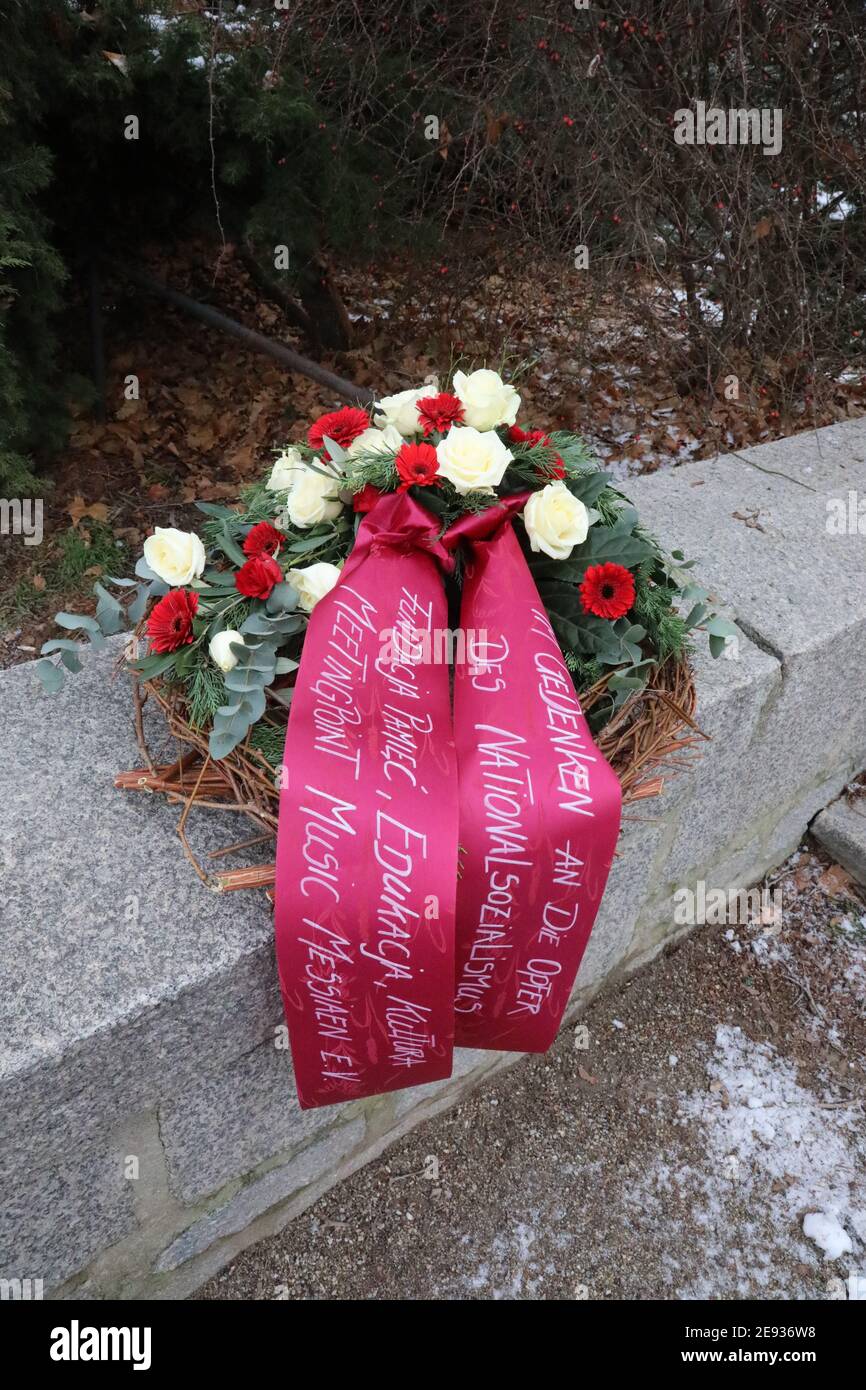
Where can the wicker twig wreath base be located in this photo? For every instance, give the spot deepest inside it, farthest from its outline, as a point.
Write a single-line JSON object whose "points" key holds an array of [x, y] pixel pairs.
{"points": [[653, 733]]}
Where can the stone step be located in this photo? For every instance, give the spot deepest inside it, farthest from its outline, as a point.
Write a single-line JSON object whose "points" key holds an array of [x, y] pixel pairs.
{"points": [[841, 829], [148, 1122]]}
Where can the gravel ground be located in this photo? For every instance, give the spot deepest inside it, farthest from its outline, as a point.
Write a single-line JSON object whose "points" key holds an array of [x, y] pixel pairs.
{"points": [[668, 1147]]}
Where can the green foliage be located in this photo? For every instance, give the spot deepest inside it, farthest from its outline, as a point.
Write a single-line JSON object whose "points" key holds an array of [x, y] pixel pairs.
{"points": [[653, 608], [31, 272], [270, 741], [79, 549], [206, 691], [585, 670], [230, 136], [667, 604]]}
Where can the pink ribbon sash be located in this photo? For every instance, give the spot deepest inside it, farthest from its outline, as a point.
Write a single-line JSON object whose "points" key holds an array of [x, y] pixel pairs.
{"points": [[539, 806], [368, 902]]}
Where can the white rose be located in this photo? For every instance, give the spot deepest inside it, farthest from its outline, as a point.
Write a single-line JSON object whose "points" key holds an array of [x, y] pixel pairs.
{"points": [[487, 401], [177, 557], [401, 410], [220, 649], [555, 521], [313, 583], [474, 461], [372, 441], [313, 498], [284, 471]]}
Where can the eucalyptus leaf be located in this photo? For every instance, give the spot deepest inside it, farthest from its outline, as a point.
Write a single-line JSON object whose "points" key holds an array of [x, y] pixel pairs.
{"points": [[257, 624], [693, 593], [51, 676], [143, 570], [227, 712], [256, 703], [138, 605], [695, 615], [244, 678], [59, 644], [74, 621], [285, 626], [109, 613], [283, 598], [222, 742], [264, 661]]}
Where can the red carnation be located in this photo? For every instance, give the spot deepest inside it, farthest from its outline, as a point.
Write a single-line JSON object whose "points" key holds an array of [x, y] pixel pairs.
{"points": [[366, 499], [440, 412], [170, 624], [417, 465], [556, 469], [607, 591], [340, 425], [263, 539], [258, 576]]}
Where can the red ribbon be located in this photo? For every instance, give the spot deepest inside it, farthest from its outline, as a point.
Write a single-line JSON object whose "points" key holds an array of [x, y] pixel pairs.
{"points": [[378, 780]]}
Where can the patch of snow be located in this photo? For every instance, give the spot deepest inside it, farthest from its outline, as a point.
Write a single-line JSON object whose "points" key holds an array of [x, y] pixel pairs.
{"points": [[840, 211], [774, 1150], [827, 1233], [511, 1272]]}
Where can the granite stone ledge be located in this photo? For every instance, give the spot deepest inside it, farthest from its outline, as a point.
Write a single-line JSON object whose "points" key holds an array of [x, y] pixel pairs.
{"points": [[131, 989], [841, 829], [274, 1187], [208, 1141], [795, 588], [52, 1227], [730, 779], [123, 975]]}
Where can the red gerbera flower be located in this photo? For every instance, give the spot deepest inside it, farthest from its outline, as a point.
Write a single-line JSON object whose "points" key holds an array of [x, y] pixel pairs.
{"points": [[340, 425], [607, 591], [258, 576], [516, 435], [366, 499], [263, 539], [417, 465], [170, 624], [439, 412]]}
